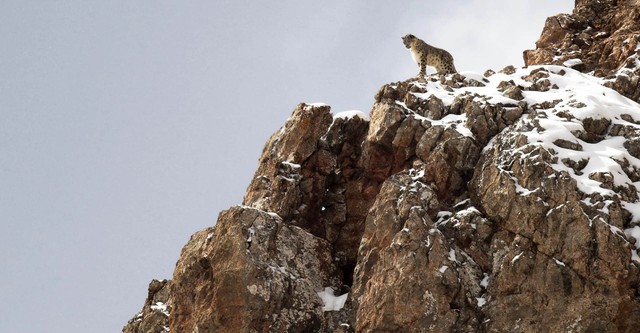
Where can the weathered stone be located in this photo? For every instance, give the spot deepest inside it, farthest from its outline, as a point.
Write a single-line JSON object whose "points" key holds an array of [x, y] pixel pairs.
{"points": [[252, 273], [405, 278], [550, 247], [154, 317], [600, 37], [463, 205]]}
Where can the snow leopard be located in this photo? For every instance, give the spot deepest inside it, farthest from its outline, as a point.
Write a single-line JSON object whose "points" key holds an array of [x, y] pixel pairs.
{"points": [[426, 55]]}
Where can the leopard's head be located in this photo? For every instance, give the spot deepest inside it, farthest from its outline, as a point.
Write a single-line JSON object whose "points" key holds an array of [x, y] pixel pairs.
{"points": [[408, 40]]}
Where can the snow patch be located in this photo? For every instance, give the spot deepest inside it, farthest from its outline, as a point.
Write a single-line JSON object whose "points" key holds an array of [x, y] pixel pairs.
{"points": [[572, 62], [443, 216], [317, 104], [516, 257], [452, 255], [251, 232], [485, 281], [274, 215], [559, 263], [330, 301], [159, 306], [556, 122], [351, 114]]}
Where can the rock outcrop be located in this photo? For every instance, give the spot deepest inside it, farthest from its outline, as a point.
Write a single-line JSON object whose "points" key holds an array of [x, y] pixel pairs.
{"points": [[600, 37], [502, 202], [154, 317]]}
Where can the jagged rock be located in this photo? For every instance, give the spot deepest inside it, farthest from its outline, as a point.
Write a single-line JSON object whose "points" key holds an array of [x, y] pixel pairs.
{"points": [[601, 37], [154, 317], [503, 202], [309, 175], [403, 280], [252, 272], [550, 245]]}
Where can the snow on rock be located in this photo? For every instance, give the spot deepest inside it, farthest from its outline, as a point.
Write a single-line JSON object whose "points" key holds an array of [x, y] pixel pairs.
{"points": [[452, 255], [556, 162], [446, 171], [589, 131], [485, 281], [516, 257], [561, 130], [351, 114], [317, 104], [332, 302], [572, 62], [559, 263], [160, 306]]}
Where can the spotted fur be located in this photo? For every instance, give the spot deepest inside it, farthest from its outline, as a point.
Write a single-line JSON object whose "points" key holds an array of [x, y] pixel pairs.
{"points": [[426, 55]]}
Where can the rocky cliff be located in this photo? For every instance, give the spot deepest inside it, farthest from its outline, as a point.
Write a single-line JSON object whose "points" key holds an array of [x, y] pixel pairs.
{"points": [[599, 37], [495, 202]]}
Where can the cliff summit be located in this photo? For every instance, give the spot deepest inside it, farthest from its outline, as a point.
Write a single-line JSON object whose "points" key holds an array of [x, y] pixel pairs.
{"points": [[498, 202]]}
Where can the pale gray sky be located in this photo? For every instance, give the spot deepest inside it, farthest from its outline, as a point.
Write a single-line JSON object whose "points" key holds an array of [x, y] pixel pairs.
{"points": [[128, 125]]}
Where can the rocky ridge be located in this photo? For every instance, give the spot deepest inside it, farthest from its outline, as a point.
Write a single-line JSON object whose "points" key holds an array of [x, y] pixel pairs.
{"points": [[599, 37], [495, 202]]}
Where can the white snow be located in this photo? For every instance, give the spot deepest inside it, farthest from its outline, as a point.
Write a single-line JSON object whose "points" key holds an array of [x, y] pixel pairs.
{"points": [[291, 165], [159, 306], [583, 96], [317, 104], [634, 256], [481, 301], [633, 207], [553, 122], [351, 114], [558, 262], [516, 257], [456, 121], [251, 232], [330, 301], [274, 215], [635, 233], [485, 281], [443, 216], [572, 62], [443, 269], [452, 255], [467, 211]]}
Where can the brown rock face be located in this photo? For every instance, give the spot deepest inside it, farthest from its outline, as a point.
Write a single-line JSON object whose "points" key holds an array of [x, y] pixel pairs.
{"points": [[309, 175], [503, 202], [600, 37], [252, 273], [154, 317], [410, 276]]}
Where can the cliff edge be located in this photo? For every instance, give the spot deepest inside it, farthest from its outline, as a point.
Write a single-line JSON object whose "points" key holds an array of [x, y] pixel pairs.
{"points": [[498, 202]]}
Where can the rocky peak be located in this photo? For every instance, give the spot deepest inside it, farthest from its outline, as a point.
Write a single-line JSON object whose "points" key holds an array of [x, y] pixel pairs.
{"points": [[495, 202], [599, 37]]}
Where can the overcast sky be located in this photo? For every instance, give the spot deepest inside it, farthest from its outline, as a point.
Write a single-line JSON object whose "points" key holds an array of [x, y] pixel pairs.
{"points": [[126, 126]]}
